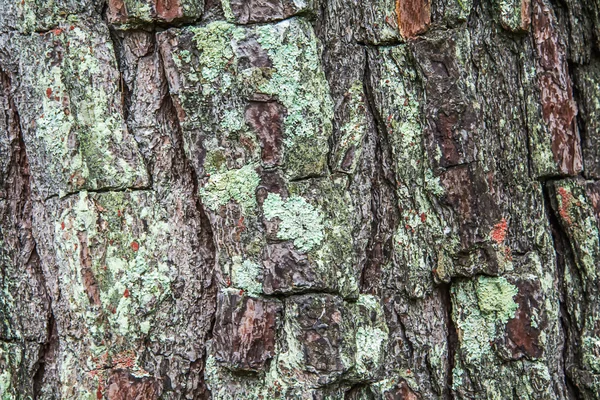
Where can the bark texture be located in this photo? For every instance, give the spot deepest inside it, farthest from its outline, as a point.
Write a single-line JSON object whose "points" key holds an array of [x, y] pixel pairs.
{"points": [[300, 199]]}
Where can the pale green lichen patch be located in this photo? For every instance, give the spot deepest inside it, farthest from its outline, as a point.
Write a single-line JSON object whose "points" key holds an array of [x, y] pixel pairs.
{"points": [[298, 81], [214, 78], [481, 307], [216, 55], [371, 337], [226, 4], [300, 221], [495, 297], [246, 275], [513, 14], [78, 137], [238, 185], [116, 267]]}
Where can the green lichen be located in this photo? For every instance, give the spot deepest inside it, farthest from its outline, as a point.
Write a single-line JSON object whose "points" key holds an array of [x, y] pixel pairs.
{"points": [[496, 298], [246, 275], [300, 221], [238, 185], [370, 348], [130, 262], [91, 136], [214, 43], [226, 4], [299, 83], [510, 12]]}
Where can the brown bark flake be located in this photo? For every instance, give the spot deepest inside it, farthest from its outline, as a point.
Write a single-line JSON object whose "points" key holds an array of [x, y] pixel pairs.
{"points": [[266, 118], [414, 17], [558, 107], [168, 10]]}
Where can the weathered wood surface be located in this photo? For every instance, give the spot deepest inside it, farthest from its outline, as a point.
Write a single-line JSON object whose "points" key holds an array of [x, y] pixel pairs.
{"points": [[299, 199]]}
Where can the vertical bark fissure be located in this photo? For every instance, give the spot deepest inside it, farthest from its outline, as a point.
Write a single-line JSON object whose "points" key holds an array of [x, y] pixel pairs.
{"points": [[207, 238], [20, 199], [452, 339], [560, 244], [378, 249]]}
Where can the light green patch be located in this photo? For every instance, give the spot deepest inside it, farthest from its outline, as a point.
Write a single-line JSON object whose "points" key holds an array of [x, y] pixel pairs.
{"points": [[495, 298], [214, 42], [226, 4], [238, 185], [82, 146], [129, 260], [300, 221], [369, 349], [299, 83], [246, 275]]}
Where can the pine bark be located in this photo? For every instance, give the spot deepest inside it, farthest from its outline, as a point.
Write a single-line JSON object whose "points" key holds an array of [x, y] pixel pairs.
{"points": [[299, 199]]}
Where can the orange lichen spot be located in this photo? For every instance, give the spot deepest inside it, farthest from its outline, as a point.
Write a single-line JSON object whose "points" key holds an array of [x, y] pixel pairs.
{"points": [[135, 246], [57, 31], [119, 213], [423, 217], [48, 94], [62, 225], [228, 281], [71, 27], [566, 198], [499, 231], [241, 292], [126, 293], [99, 394]]}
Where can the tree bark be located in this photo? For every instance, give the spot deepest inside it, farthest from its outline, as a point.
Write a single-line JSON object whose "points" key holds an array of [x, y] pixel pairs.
{"points": [[299, 199]]}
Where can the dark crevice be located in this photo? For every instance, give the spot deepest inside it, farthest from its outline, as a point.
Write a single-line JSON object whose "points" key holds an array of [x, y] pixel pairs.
{"points": [[206, 236], [307, 178], [46, 357], [20, 211], [525, 113], [385, 220], [564, 256], [451, 339], [359, 391]]}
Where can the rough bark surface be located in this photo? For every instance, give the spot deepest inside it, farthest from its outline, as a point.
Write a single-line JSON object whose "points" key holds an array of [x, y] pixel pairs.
{"points": [[299, 199]]}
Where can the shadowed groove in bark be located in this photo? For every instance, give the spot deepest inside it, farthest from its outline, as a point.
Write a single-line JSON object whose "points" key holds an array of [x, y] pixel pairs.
{"points": [[452, 339], [378, 249], [206, 234], [20, 210], [47, 356], [563, 255]]}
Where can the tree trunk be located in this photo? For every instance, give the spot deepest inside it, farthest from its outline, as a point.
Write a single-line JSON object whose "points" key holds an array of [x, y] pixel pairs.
{"points": [[300, 199]]}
